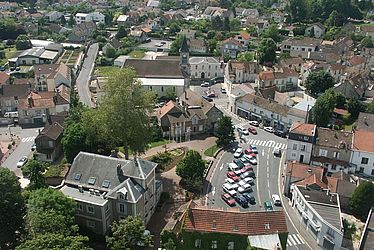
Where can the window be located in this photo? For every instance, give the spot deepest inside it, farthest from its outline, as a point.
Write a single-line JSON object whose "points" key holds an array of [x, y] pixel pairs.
{"points": [[214, 244], [79, 206], [372, 172], [364, 160], [214, 225], [92, 180], [162, 88], [90, 209], [49, 156], [306, 138], [293, 155], [294, 146], [198, 243], [336, 154], [330, 232], [333, 167], [361, 171], [322, 152], [267, 226], [122, 208], [196, 67], [91, 224], [303, 147], [50, 144], [236, 228], [231, 245]]}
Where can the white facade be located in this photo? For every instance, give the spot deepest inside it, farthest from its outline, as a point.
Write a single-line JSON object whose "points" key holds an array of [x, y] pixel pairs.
{"points": [[96, 17], [299, 151], [205, 68], [325, 234], [54, 16], [163, 87], [318, 31], [364, 161]]}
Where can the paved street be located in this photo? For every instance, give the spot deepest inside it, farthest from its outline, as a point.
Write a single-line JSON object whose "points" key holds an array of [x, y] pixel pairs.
{"points": [[84, 76], [27, 137]]}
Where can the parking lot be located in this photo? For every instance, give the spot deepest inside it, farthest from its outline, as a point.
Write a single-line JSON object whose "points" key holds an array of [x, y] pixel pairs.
{"points": [[265, 171], [156, 45]]}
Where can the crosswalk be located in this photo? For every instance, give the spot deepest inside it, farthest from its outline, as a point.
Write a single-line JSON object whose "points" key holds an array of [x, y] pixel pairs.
{"points": [[264, 143], [27, 139], [294, 239]]}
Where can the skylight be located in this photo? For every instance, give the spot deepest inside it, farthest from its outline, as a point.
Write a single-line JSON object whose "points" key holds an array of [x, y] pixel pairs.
{"points": [[106, 184], [77, 176], [92, 180]]}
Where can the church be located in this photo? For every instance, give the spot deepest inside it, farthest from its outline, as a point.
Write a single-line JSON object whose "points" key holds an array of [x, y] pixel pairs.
{"points": [[166, 76]]}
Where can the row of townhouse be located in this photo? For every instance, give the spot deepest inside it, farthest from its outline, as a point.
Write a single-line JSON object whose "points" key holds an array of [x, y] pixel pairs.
{"points": [[351, 152]]}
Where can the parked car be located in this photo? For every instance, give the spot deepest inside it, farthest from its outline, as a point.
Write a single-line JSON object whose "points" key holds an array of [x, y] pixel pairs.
{"points": [[217, 80], [252, 130], [276, 200], [247, 174], [246, 169], [277, 151], [211, 94], [22, 162], [238, 152], [254, 123], [205, 84], [280, 133], [12, 68], [18, 68], [209, 99], [230, 174], [250, 198], [229, 180], [33, 147], [241, 200], [254, 149], [233, 167], [245, 188], [249, 180], [235, 186], [242, 130], [239, 163], [268, 206], [228, 199], [252, 160], [2, 68], [223, 91], [269, 129], [248, 151]]}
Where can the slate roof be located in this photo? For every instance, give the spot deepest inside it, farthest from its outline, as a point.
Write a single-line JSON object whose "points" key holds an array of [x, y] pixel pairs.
{"points": [[265, 104], [203, 219], [184, 46], [367, 238], [155, 68], [105, 168], [365, 122], [52, 131], [303, 129]]}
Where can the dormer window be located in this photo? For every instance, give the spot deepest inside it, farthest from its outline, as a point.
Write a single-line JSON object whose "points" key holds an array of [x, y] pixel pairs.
{"points": [[92, 180], [214, 225], [267, 226]]}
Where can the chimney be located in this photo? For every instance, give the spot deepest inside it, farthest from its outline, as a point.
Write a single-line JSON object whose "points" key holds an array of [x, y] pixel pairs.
{"points": [[30, 100], [97, 192], [91, 191]]}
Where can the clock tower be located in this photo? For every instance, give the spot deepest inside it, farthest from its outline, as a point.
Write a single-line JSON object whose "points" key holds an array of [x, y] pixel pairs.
{"points": [[185, 62]]}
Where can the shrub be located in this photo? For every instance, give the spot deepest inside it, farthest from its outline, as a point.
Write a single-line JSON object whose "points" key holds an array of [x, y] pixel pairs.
{"points": [[9, 146], [162, 159]]}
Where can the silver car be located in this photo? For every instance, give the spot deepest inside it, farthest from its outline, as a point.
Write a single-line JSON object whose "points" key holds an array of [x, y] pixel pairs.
{"points": [[22, 162]]}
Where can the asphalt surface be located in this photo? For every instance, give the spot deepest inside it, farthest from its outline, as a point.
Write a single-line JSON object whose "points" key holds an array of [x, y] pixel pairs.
{"points": [[27, 137], [268, 169], [84, 76]]}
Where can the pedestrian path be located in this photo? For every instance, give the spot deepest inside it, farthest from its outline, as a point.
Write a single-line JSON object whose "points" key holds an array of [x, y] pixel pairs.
{"points": [[27, 139], [294, 240], [264, 143]]}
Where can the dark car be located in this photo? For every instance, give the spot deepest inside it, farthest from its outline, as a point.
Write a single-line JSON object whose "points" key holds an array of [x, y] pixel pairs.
{"points": [[2, 68], [216, 80], [241, 200], [250, 198], [280, 133], [207, 98], [239, 163], [12, 68]]}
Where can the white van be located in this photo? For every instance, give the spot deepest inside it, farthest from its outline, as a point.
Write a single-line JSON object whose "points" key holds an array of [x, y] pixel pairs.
{"points": [[11, 114], [233, 167], [276, 199]]}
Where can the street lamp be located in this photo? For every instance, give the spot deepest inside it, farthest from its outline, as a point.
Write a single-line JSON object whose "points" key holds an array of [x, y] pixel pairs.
{"points": [[10, 132]]}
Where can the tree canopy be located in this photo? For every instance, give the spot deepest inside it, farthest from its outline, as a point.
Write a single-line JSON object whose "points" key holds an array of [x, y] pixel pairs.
{"points": [[266, 51], [34, 171], [12, 209], [225, 131], [355, 106], [55, 241], [191, 169], [318, 82], [370, 107], [323, 108], [23, 42], [128, 233], [362, 200]]}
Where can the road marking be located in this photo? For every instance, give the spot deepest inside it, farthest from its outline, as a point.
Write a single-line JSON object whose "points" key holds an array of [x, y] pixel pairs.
{"points": [[213, 191], [272, 143], [282, 200], [263, 152], [278, 145], [27, 139], [284, 146], [297, 239], [220, 168]]}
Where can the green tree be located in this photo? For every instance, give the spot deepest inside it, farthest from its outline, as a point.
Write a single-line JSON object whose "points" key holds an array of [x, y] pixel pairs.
{"points": [[122, 32], [272, 32], [170, 94], [73, 140], [362, 200], [367, 42], [126, 102], [217, 23], [235, 24], [318, 82], [225, 131], [266, 51], [71, 21], [355, 106], [246, 56], [23, 42], [34, 171], [370, 107], [226, 24], [191, 169], [12, 209], [299, 10], [176, 44], [128, 233], [323, 108], [110, 52], [55, 241]]}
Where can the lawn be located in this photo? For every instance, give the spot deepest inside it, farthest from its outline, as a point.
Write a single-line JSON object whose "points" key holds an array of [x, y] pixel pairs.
{"points": [[137, 54], [9, 53], [348, 121], [211, 151], [158, 143], [106, 70]]}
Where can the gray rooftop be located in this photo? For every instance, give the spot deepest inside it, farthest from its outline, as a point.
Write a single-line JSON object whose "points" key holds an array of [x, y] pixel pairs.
{"points": [[85, 196], [105, 173]]}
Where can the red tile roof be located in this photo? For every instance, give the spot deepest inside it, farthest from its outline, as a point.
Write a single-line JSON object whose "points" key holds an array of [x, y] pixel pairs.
{"points": [[166, 108], [205, 219], [312, 180], [266, 75], [303, 129], [301, 171], [245, 35], [363, 141]]}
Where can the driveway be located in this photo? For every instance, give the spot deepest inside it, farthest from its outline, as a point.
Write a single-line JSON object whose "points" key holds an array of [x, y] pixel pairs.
{"points": [[85, 73]]}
